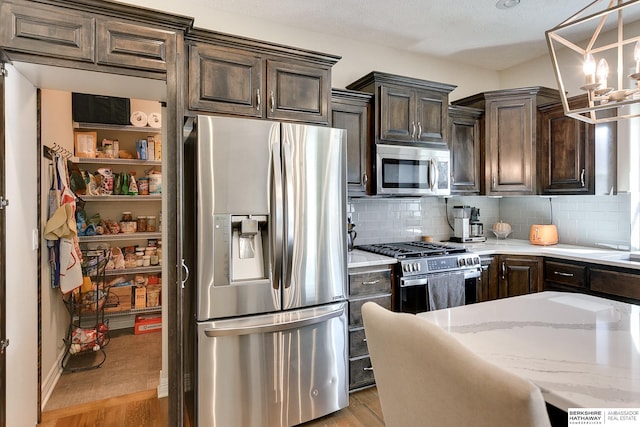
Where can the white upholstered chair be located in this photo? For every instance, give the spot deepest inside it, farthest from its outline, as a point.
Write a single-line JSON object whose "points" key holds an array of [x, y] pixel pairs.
{"points": [[425, 377]]}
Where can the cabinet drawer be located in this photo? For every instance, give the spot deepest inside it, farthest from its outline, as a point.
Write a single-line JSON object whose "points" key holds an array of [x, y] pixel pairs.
{"points": [[357, 343], [47, 30], [371, 282], [130, 45], [355, 307], [615, 283], [565, 274], [360, 373]]}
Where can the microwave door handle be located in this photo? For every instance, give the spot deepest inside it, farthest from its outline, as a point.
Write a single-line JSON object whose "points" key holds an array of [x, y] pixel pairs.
{"points": [[276, 221], [433, 172]]}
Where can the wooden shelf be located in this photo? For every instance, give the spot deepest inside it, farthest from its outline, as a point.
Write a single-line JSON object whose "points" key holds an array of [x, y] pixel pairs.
{"points": [[118, 237], [135, 270], [110, 161], [149, 198], [125, 128]]}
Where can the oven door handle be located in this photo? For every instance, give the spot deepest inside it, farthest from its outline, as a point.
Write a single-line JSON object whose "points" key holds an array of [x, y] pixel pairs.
{"points": [[423, 280], [413, 282]]}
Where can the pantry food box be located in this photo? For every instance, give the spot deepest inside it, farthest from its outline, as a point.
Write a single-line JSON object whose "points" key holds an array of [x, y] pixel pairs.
{"points": [[118, 299], [146, 323]]}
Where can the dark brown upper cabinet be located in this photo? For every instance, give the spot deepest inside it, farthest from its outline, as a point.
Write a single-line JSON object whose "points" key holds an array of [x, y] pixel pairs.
{"points": [[465, 145], [510, 137], [232, 75], [79, 37], [351, 110], [570, 152], [407, 110]]}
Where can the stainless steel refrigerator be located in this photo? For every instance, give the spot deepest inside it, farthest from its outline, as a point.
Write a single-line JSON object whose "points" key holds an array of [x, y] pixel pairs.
{"points": [[271, 311]]}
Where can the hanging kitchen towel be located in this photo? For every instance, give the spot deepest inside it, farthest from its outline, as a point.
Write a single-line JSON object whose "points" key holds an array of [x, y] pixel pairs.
{"points": [[446, 291], [70, 267]]}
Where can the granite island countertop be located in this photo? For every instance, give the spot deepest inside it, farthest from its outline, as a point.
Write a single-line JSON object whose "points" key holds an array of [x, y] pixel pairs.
{"points": [[582, 351]]}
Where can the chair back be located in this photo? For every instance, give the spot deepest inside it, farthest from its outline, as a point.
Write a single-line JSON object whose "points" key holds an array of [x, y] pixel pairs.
{"points": [[425, 377]]}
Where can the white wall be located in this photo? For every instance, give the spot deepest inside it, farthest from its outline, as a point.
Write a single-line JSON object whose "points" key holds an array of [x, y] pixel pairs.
{"points": [[56, 128], [358, 58], [22, 257]]}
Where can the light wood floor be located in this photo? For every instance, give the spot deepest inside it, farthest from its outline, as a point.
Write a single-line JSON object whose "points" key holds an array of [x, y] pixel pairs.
{"points": [[144, 409]]}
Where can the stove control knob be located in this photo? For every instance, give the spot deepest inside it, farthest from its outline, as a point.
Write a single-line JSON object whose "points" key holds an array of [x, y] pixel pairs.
{"points": [[461, 262], [418, 266]]}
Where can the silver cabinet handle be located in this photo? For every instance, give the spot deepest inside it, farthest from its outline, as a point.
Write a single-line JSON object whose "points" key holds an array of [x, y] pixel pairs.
{"points": [[185, 268], [365, 180], [493, 187], [582, 178], [371, 283], [559, 273], [273, 101], [367, 369], [504, 269], [419, 131], [413, 130], [364, 340], [258, 99]]}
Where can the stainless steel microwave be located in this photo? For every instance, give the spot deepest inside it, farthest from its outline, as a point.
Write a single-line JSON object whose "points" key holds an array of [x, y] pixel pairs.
{"points": [[412, 171]]}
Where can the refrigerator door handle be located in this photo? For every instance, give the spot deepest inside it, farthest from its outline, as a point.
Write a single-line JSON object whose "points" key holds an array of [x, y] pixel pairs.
{"points": [[274, 326], [276, 210], [288, 212]]}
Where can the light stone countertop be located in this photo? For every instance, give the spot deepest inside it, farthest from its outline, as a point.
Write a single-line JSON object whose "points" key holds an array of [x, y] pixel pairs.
{"points": [[359, 258], [582, 351], [569, 252]]}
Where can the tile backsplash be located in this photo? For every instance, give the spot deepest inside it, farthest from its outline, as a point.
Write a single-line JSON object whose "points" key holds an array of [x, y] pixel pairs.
{"points": [[581, 220]]}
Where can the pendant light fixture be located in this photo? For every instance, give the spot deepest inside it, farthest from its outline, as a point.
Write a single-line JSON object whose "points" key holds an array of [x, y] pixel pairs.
{"points": [[597, 52]]}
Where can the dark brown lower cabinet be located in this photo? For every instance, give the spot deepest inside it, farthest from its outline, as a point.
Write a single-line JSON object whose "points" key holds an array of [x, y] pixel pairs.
{"points": [[365, 284], [519, 275], [487, 288], [618, 284]]}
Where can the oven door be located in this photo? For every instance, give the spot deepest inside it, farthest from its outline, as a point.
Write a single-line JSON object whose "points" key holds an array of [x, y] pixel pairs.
{"points": [[412, 171], [411, 293]]}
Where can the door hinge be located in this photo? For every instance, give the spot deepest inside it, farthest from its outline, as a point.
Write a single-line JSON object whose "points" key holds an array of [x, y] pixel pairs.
{"points": [[3, 70], [3, 203], [3, 345]]}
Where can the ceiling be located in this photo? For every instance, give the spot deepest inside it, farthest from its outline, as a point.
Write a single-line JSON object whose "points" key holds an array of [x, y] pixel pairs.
{"points": [[474, 32]]}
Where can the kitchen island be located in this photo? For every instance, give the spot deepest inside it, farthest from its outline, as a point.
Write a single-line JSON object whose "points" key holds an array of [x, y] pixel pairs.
{"points": [[582, 351]]}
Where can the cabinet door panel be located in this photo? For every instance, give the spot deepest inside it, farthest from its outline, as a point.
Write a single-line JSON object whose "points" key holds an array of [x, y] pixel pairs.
{"points": [[566, 154], [511, 146], [298, 92], [519, 275], [396, 114], [130, 45], [431, 117], [355, 119], [48, 31], [465, 152], [224, 81]]}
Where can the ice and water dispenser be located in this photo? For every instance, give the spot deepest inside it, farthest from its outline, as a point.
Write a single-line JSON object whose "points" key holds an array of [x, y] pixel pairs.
{"points": [[249, 237]]}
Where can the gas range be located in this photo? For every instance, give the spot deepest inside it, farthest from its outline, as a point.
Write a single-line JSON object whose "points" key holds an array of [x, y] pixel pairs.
{"points": [[423, 258]]}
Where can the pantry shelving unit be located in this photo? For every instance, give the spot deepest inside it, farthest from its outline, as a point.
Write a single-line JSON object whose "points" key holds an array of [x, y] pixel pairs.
{"points": [[111, 206]]}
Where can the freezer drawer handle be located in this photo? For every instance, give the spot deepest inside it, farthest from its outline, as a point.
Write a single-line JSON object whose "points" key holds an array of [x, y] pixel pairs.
{"points": [[277, 327], [368, 369]]}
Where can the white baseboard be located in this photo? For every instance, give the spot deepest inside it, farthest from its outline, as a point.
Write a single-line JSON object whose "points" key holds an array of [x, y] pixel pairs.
{"points": [[50, 381], [163, 386]]}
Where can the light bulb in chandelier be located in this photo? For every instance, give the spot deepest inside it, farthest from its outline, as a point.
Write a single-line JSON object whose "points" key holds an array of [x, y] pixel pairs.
{"points": [[589, 68], [603, 73]]}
